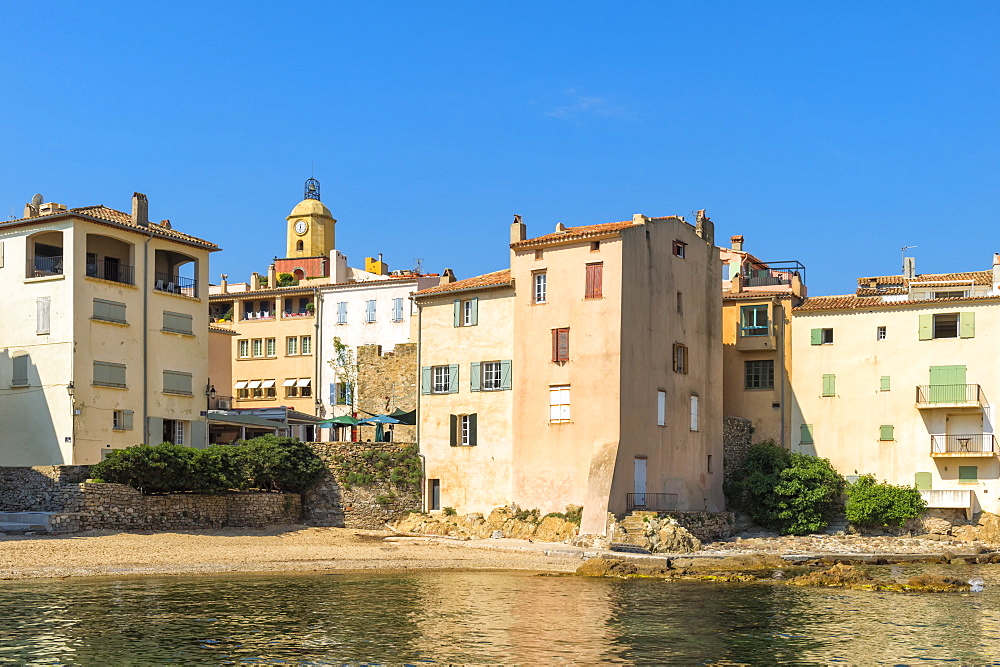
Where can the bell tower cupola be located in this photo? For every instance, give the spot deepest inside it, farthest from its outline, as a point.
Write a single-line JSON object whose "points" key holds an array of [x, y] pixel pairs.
{"points": [[310, 226]]}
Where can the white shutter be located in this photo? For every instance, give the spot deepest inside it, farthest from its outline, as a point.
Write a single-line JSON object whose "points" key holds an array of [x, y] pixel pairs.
{"points": [[564, 408], [661, 408], [694, 413], [42, 310]]}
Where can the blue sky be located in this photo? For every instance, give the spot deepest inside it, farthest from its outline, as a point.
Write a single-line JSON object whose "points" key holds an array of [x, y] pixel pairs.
{"points": [[828, 132]]}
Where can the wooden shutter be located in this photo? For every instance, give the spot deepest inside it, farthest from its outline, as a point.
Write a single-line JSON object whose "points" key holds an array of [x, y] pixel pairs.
{"points": [[473, 423], [926, 331], [830, 385], [885, 432], [154, 430], [967, 324], [342, 312], [594, 281], [458, 312], [922, 481], [968, 474], [453, 438], [805, 434], [884, 386], [128, 417], [199, 434], [816, 336], [42, 311], [475, 376], [474, 312], [178, 322], [453, 379], [505, 370], [425, 380], [20, 364], [560, 345]]}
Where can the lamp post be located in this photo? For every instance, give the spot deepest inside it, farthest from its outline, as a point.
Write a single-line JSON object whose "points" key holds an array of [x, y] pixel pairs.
{"points": [[211, 394]]}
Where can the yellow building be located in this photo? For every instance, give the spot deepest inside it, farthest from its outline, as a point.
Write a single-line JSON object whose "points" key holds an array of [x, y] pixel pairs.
{"points": [[898, 379], [111, 346], [757, 299]]}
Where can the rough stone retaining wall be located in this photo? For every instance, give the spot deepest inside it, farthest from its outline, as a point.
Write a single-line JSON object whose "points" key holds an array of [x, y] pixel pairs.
{"points": [[328, 503], [736, 434], [706, 526], [40, 489]]}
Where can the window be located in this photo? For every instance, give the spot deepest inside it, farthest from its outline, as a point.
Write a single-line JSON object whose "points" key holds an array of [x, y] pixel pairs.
{"points": [[433, 494], [121, 420], [370, 310], [948, 325], [343, 393], [241, 389], [244, 351], [694, 412], [753, 321], [176, 382], [42, 314], [292, 345], [680, 303], [661, 407], [968, 474], [397, 309], [307, 345], [805, 434], [258, 347], [709, 463], [291, 388], [559, 404], [951, 294], [109, 311], [442, 379], [268, 389], [680, 249], [270, 347], [177, 323], [595, 277], [305, 387], [299, 245], [540, 288], [174, 431], [463, 430], [829, 385], [256, 391], [821, 337], [20, 368], [108, 374], [466, 313], [595, 246], [880, 333], [885, 432], [491, 375], [680, 358], [560, 345], [439, 379], [758, 374], [341, 312], [884, 383]]}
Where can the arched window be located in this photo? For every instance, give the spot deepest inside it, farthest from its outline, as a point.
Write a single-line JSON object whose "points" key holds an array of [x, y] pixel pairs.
{"points": [[298, 245]]}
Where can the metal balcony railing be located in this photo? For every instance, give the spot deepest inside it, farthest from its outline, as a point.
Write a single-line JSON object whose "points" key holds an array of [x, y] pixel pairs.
{"points": [[950, 393], [44, 266], [113, 271], [766, 280], [745, 331], [967, 443], [651, 502], [166, 282]]}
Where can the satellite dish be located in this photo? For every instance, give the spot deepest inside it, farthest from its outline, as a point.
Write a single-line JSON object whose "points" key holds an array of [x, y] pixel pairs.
{"points": [[37, 200]]}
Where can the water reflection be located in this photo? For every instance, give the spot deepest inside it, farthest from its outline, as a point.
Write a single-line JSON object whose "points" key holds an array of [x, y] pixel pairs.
{"points": [[481, 617]]}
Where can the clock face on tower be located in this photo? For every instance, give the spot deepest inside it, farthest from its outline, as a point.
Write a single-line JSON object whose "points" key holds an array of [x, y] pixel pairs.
{"points": [[301, 227]]}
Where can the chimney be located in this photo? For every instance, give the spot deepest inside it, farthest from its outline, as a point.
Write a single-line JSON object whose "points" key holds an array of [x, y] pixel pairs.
{"points": [[737, 242], [518, 230], [704, 227], [140, 210], [254, 281], [909, 268], [224, 284], [996, 268], [639, 219], [560, 228], [272, 277], [447, 276]]}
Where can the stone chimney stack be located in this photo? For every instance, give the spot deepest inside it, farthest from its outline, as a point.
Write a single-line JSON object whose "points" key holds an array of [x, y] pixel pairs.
{"points": [[996, 268], [704, 227], [737, 242], [518, 230], [224, 284], [140, 209], [272, 277], [254, 281], [33, 209], [447, 277], [909, 268]]}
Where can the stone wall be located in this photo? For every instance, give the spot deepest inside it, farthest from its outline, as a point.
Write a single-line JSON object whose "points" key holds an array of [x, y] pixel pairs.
{"points": [[736, 434], [387, 382], [706, 526], [40, 489], [329, 503]]}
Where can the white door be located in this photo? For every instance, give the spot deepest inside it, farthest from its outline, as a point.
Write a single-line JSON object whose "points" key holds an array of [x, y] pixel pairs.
{"points": [[639, 499]]}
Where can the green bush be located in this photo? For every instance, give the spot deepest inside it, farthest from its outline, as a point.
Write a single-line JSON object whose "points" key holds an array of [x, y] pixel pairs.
{"points": [[401, 467], [286, 280], [449, 511], [873, 503], [149, 468], [281, 464], [792, 493]]}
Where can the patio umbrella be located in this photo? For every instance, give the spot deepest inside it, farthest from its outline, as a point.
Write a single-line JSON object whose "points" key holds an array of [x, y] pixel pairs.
{"points": [[343, 420], [379, 433], [379, 419], [407, 418]]}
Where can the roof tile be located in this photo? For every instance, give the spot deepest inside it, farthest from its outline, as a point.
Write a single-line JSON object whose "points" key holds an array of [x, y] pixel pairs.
{"points": [[495, 279], [572, 233]]}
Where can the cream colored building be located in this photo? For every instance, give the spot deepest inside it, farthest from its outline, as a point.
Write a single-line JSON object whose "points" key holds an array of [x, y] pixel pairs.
{"points": [[616, 368], [898, 380], [111, 336], [757, 299]]}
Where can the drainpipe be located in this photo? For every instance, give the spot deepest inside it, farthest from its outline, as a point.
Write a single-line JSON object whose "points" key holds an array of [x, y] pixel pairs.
{"points": [[781, 360], [145, 339], [423, 459], [318, 351]]}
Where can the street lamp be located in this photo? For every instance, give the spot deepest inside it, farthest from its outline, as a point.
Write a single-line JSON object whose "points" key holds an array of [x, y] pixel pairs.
{"points": [[210, 393], [70, 389]]}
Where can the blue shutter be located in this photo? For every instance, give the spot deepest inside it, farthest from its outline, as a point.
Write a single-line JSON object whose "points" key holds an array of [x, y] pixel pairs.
{"points": [[453, 378], [475, 375], [342, 312], [475, 312], [333, 393], [505, 369], [458, 312], [425, 380], [349, 393]]}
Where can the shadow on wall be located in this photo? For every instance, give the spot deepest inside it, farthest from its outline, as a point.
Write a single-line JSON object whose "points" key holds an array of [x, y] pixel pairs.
{"points": [[27, 433], [42, 488]]}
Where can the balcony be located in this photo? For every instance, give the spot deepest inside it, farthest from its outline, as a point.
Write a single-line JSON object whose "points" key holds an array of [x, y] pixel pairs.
{"points": [[950, 396], [39, 267], [112, 270], [960, 499], [964, 445], [755, 337], [651, 502], [173, 284]]}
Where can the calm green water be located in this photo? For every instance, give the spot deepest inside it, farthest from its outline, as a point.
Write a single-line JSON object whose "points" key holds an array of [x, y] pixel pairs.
{"points": [[487, 617]]}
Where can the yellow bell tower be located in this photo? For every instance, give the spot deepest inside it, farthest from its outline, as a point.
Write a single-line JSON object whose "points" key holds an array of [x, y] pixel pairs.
{"points": [[310, 226]]}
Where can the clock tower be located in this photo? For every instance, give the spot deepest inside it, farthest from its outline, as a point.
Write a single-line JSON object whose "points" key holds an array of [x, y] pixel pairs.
{"points": [[310, 226]]}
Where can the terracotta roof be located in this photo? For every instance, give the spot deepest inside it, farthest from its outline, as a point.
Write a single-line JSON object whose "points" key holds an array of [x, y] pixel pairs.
{"points": [[213, 329], [757, 295], [571, 233], [976, 277], [878, 291], [853, 302], [488, 280]]}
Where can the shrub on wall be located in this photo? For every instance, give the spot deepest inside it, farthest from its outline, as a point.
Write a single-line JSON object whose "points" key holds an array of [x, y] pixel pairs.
{"points": [[400, 467], [281, 464], [792, 493], [148, 468], [874, 503]]}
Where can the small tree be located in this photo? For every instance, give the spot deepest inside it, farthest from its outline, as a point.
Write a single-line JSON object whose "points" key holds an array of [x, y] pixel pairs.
{"points": [[345, 369], [286, 280], [873, 503], [281, 464]]}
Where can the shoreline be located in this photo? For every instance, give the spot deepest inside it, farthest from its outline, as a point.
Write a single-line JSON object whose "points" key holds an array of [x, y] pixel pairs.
{"points": [[298, 549]]}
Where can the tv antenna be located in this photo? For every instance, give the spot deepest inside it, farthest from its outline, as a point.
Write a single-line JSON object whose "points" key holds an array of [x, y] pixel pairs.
{"points": [[902, 253]]}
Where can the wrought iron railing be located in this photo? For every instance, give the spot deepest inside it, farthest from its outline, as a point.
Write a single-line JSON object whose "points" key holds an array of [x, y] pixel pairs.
{"points": [[45, 266], [950, 393], [973, 443], [113, 271], [758, 280], [652, 502], [166, 282]]}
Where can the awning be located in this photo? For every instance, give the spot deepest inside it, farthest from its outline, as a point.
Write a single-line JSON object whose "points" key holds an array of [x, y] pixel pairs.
{"points": [[345, 420], [304, 382], [288, 383], [242, 384], [255, 384], [268, 384]]}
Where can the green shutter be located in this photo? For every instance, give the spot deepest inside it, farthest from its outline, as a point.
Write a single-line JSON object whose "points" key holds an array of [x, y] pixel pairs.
{"points": [[885, 432], [458, 312], [967, 324], [885, 383], [425, 380], [829, 385], [128, 416], [475, 312], [505, 367], [926, 327], [453, 379], [968, 473], [154, 430], [475, 375], [473, 427], [817, 336], [947, 384], [199, 434], [806, 437], [922, 481], [453, 438]]}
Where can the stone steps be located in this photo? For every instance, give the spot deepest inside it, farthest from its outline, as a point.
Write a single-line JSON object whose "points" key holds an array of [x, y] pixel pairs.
{"points": [[25, 522]]}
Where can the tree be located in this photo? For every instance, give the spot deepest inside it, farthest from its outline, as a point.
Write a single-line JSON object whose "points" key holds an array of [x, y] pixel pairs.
{"points": [[345, 372], [874, 503]]}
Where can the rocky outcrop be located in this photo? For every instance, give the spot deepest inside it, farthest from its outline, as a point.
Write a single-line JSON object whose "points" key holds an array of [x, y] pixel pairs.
{"points": [[655, 533], [510, 522]]}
